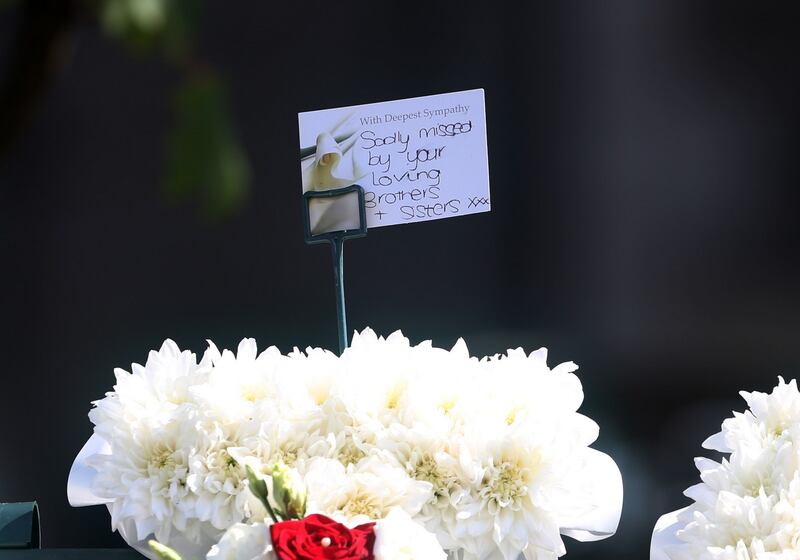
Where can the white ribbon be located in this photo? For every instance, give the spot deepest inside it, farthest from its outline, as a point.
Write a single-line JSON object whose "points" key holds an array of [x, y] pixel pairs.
{"points": [[606, 492], [81, 475], [665, 534]]}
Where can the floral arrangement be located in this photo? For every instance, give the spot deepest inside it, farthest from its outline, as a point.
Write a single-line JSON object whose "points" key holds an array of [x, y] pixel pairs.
{"points": [[490, 456], [747, 506]]}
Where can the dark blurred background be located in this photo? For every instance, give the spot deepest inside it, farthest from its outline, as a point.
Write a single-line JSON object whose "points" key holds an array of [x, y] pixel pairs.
{"points": [[644, 178]]}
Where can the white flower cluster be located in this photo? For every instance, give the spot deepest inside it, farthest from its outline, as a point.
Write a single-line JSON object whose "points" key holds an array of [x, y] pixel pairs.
{"points": [[489, 455], [748, 505]]}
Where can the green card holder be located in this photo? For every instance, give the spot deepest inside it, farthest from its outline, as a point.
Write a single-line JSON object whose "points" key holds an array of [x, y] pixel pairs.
{"points": [[19, 526]]}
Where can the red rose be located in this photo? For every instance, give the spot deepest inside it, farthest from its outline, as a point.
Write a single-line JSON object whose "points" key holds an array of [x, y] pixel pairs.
{"points": [[319, 537]]}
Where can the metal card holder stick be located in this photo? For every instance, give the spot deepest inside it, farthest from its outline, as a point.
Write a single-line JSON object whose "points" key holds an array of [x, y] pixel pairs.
{"points": [[356, 228]]}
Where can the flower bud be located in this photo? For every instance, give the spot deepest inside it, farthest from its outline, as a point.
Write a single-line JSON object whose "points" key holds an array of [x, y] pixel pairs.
{"points": [[289, 491], [257, 485], [163, 552]]}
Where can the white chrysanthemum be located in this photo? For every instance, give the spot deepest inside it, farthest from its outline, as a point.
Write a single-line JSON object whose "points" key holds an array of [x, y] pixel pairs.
{"points": [[362, 492], [524, 485], [145, 479], [244, 542], [147, 421], [747, 506], [219, 486], [447, 465], [398, 537], [241, 387], [171, 467], [156, 390]]}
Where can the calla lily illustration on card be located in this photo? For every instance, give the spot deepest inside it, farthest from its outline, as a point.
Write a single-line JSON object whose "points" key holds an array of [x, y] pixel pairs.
{"points": [[417, 159], [331, 162]]}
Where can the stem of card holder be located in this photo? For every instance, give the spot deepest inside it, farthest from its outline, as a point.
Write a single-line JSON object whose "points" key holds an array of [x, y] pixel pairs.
{"points": [[345, 196]]}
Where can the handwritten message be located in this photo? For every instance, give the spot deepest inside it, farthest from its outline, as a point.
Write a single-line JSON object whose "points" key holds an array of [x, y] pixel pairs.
{"points": [[417, 159]]}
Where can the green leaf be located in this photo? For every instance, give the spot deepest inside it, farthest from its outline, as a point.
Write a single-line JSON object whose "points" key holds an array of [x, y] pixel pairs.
{"points": [[204, 158]]}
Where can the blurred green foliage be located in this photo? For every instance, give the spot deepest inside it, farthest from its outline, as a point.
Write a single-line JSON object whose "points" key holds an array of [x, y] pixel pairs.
{"points": [[203, 153], [167, 25], [205, 160]]}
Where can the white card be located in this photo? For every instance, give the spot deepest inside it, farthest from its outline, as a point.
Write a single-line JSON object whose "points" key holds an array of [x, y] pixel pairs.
{"points": [[417, 159]]}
